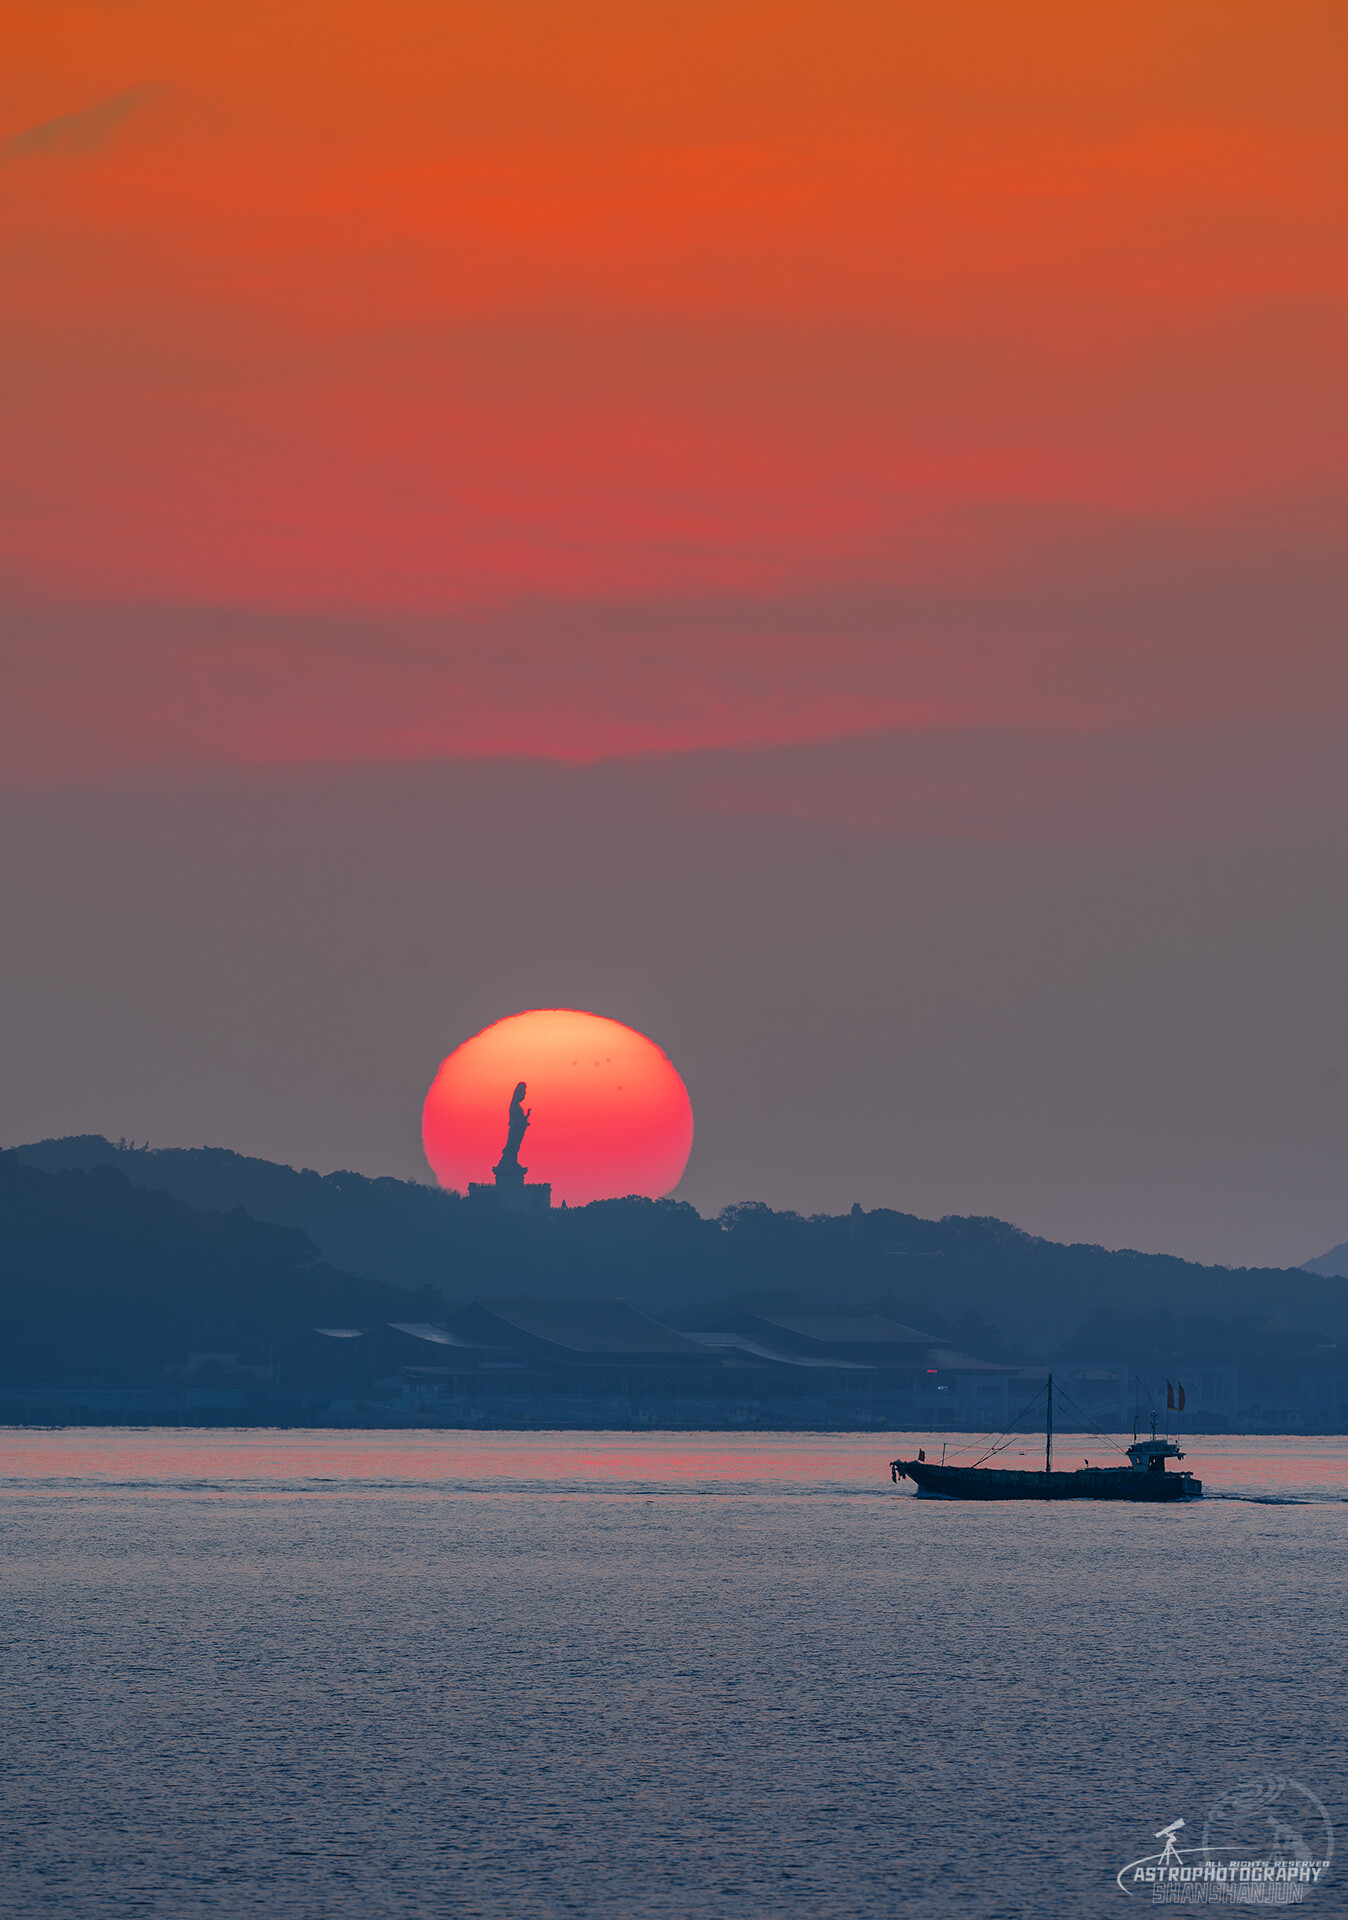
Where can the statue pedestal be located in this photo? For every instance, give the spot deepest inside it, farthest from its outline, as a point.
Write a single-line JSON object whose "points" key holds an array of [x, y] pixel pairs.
{"points": [[511, 1191]]}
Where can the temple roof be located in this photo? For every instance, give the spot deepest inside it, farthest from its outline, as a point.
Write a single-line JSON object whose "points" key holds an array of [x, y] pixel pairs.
{"points": [[432, 1331], [743, 1343], [849, 1329], [592, 1327]]}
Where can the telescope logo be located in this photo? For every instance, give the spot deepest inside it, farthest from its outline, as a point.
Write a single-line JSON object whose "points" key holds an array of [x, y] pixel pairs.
{"points": [[1268, 1842]]}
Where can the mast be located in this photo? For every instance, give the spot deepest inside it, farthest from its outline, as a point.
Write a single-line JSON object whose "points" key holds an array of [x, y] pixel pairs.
{"points": [[1048, 1432]]}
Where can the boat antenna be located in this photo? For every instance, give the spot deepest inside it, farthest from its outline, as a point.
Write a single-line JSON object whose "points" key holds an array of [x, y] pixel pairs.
{"points": [[1048, 1430]]}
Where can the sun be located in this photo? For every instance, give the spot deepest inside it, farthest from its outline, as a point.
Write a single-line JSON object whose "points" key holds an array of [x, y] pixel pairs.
{"points": [[608, 1113]]}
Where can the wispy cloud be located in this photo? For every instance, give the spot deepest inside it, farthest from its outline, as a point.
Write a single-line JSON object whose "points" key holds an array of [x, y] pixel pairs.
{"points": [[82, 132]]}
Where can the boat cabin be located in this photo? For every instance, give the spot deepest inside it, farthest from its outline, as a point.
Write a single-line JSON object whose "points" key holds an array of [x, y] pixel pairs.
{"points": [[1151, 1455]]}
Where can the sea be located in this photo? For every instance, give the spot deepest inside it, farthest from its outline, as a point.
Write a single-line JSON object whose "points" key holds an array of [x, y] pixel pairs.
{"points": [[705, 1676]]}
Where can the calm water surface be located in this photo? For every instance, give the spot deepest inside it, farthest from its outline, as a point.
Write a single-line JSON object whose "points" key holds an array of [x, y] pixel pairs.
{"points": [[366, 1674]]}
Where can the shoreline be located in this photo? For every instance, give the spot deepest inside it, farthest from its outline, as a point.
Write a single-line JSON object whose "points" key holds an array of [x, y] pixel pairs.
{"points": [[358, 1420]]}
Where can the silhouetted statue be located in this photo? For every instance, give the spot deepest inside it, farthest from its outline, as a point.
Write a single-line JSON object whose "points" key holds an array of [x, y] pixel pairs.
{"points": [[509, 1163]]}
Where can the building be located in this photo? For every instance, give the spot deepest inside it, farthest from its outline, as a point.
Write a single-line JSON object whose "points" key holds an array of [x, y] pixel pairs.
{"points": [[528, 1362], [1324, 1402]]}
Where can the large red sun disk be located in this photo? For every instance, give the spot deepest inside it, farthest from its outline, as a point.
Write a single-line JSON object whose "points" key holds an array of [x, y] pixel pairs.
{"points": [[609, 1115]]}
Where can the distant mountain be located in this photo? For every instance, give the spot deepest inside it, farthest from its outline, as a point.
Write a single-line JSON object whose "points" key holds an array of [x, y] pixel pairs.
{"points": [[1333, 1264], [981, 1275]]}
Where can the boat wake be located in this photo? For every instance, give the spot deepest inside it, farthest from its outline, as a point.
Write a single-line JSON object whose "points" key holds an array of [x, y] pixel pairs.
{"points": [[1282, 1499]]}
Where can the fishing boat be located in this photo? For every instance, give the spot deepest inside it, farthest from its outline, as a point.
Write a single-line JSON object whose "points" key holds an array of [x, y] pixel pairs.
{"points": [[1144, 1478]]}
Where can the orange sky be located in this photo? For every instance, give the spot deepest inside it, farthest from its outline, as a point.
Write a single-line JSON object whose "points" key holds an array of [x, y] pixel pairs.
{"points": [[386, 381], [912, 431]]}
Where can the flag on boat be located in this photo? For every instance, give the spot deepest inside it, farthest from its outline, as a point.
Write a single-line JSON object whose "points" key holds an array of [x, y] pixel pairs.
{"points": [[1181, 1396], [1169, 1398]]}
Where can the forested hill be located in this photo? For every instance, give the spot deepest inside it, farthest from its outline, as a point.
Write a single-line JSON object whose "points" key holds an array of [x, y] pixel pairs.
{"points": [[667, 1258], [394, 1230], [90, 1264]]}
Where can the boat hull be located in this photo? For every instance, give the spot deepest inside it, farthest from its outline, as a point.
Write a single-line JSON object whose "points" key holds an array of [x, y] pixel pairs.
{"points": [[1087, 1483]]}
